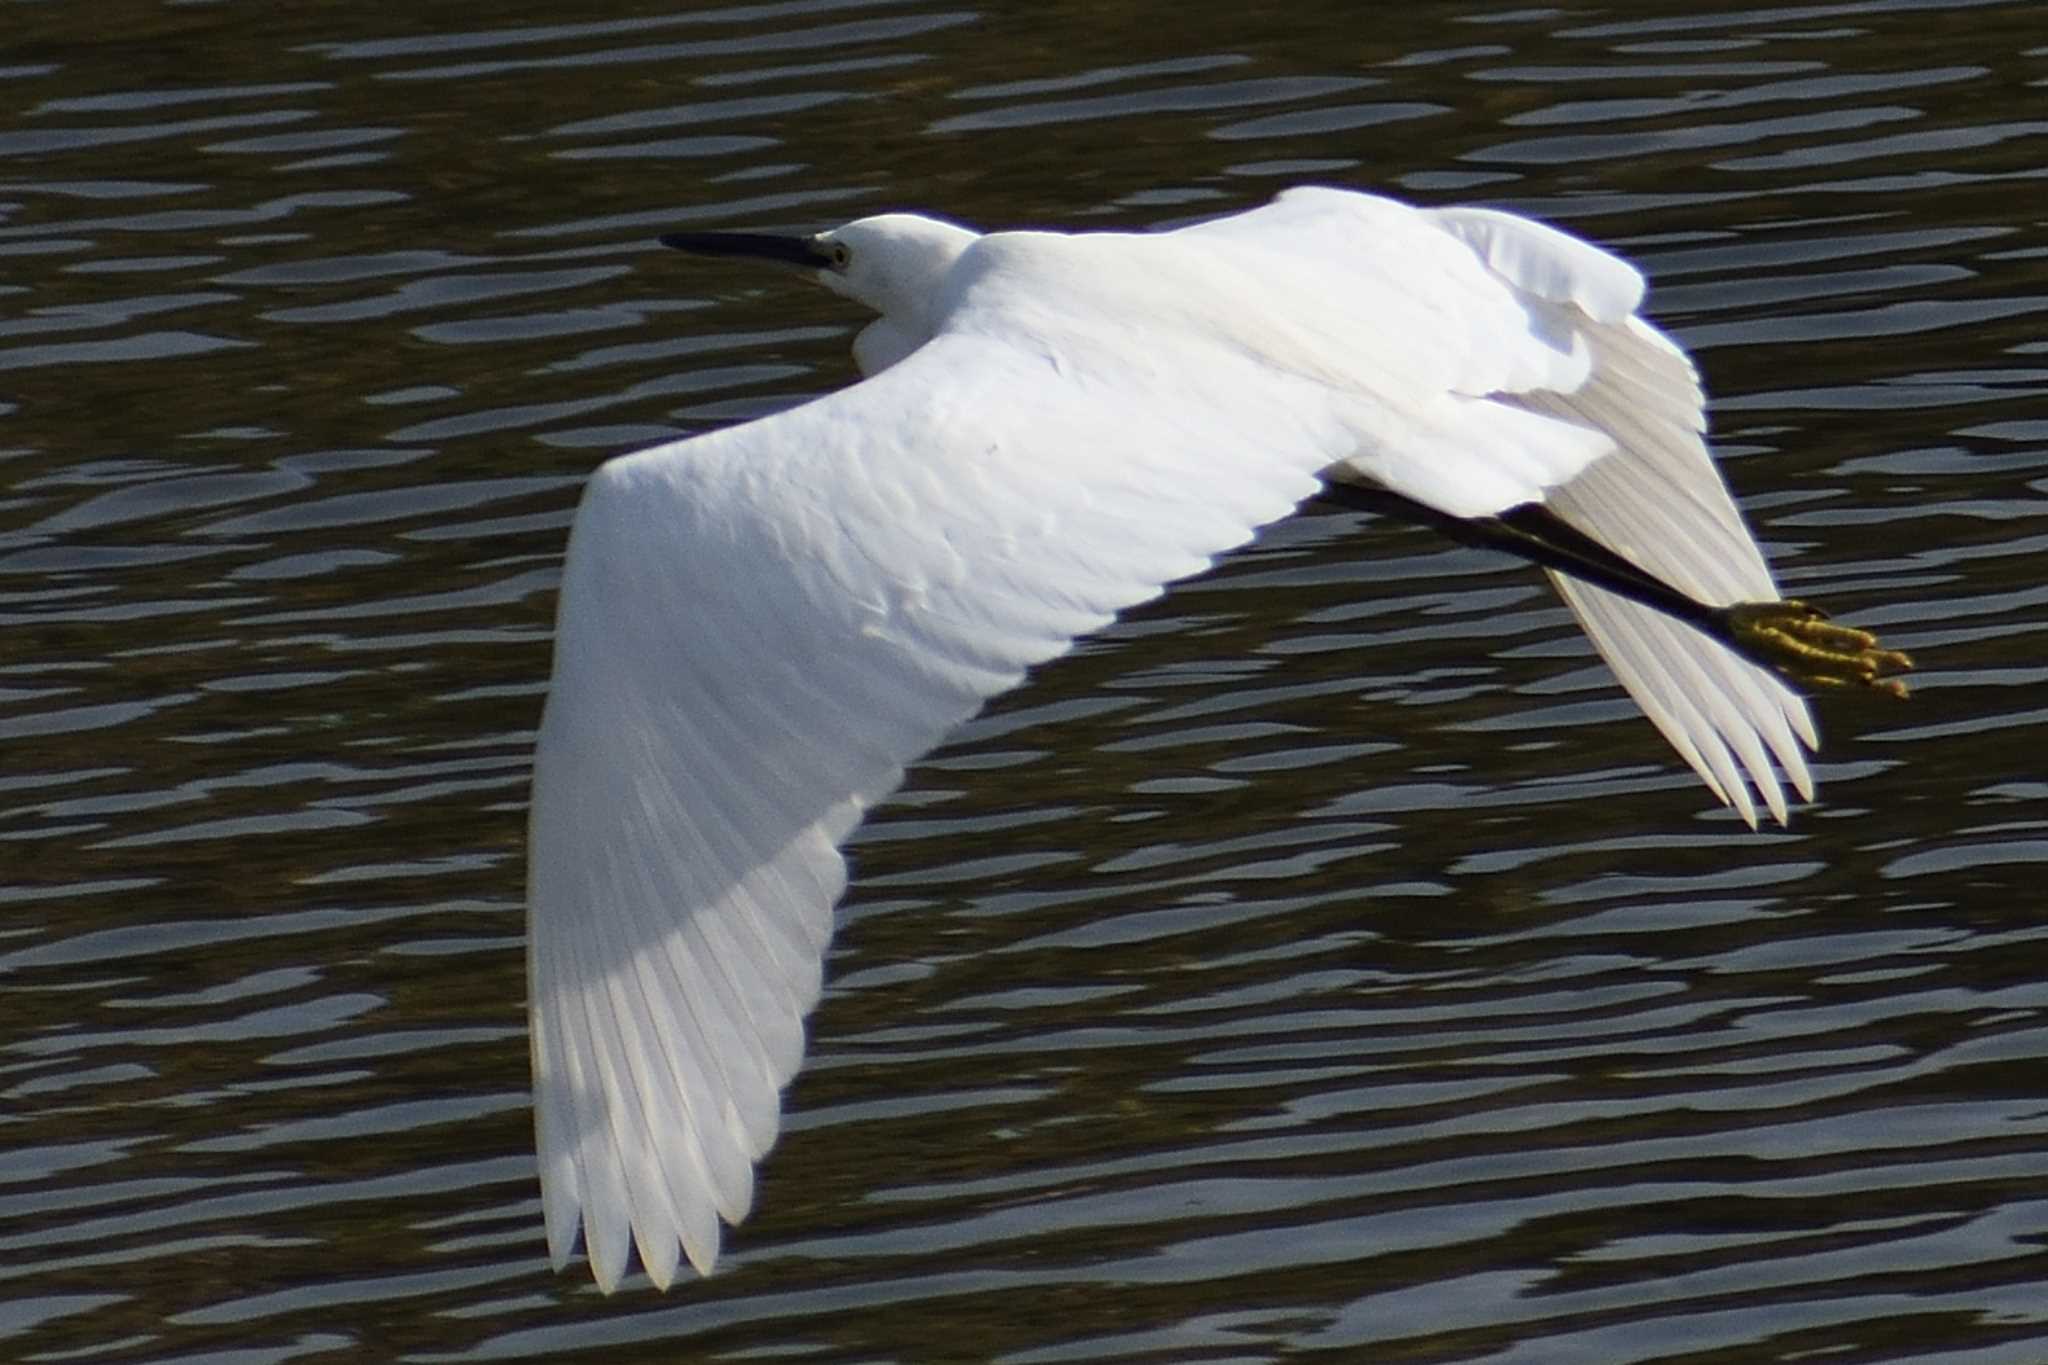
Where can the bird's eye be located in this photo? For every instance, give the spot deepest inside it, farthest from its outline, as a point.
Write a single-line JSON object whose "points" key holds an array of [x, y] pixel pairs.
{"points": [[842, 255]]}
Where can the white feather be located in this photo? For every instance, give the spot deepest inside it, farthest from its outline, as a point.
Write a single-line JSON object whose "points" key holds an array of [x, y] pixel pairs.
{"points": [[759, 628]]}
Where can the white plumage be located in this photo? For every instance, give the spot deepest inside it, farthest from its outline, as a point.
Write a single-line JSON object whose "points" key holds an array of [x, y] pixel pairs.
{"points": [[760, 627]]}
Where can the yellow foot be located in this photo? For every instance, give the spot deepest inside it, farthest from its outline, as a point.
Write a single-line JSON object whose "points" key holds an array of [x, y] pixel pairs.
{"points": [[1799, 641]]}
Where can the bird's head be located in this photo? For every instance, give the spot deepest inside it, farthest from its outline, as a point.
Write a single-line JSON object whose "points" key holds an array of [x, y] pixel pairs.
{"points": [[894, 263]]}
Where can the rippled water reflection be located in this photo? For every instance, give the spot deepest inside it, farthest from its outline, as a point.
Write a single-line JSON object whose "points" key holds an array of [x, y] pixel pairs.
{"points": [[1325, 963]]}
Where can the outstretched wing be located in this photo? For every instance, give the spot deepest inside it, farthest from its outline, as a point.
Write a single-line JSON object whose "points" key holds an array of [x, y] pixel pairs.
{"points": [[1657, 499], [1659, 502], [758, 629]]}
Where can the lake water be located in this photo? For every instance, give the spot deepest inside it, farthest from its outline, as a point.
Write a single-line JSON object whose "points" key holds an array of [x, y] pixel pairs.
{"points": [[1323, 965]]}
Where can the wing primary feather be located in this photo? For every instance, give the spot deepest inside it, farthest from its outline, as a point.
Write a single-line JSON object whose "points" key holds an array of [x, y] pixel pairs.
{"points": [[562, 1186], [632, 1088], [1715, 561], [1674, 709], [607, 1218], [675, 1011], [1725, 707]]}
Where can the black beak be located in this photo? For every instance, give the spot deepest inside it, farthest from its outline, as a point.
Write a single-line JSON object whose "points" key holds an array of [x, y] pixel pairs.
{"points": [[760, 246]]}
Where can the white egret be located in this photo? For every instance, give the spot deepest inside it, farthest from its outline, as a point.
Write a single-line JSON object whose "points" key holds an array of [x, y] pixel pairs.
{"points": [[760, 627]]}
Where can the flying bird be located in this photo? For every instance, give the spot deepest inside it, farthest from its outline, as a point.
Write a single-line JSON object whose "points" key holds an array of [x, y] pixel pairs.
{"points": [[761, 626]]}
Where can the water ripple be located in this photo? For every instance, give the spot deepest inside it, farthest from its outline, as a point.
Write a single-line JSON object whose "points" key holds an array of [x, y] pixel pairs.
{"points": [[1322, 963]]}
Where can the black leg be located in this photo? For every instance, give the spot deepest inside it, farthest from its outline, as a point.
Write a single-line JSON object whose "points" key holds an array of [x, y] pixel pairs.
{"points": [[1791, 637], [1533, 532]]}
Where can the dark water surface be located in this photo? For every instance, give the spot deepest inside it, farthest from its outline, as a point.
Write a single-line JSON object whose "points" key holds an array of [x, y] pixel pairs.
{"points": [[1325, 965]]}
